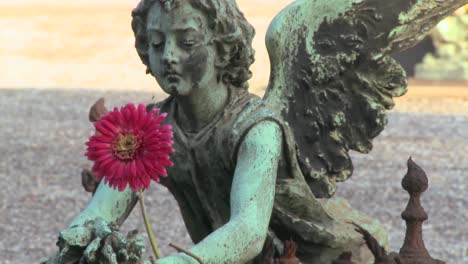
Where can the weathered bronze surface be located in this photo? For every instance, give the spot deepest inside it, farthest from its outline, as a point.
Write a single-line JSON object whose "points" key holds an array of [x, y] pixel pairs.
{"points": [[249, 169], [344, 258]]}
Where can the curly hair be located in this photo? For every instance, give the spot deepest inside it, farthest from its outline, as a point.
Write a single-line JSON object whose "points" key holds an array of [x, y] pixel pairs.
{"points": [[233, 36]]}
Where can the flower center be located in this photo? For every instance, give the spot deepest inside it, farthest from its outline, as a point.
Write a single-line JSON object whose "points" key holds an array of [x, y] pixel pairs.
{"points": [[126, 145]]}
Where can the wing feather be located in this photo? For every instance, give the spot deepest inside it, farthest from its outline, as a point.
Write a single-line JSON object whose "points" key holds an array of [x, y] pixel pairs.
{"points": [[332, 78]]}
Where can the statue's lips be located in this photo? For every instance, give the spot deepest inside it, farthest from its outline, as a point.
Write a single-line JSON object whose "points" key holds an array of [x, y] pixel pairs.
{"points": [[172, 77]]}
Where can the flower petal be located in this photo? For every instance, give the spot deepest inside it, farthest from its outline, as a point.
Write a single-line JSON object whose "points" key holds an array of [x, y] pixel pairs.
{"points": [[151, 154]]}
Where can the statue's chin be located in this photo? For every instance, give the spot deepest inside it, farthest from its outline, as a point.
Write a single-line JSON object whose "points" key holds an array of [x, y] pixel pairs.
{"points": [[176, 89]]}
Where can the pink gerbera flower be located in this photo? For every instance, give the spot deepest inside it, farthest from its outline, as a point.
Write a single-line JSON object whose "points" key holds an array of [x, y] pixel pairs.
{"points": [[131, 146]]}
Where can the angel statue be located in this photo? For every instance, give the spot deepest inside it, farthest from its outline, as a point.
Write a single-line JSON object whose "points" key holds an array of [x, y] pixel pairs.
{"points": [[249, 169]]}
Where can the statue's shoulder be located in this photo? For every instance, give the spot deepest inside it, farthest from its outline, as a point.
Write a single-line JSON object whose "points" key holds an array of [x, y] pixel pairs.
{"points": [[249, 108], [241, 117]]}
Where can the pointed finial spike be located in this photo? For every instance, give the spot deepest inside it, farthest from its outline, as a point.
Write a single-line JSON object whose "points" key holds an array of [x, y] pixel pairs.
{"points": [[415, 180]]}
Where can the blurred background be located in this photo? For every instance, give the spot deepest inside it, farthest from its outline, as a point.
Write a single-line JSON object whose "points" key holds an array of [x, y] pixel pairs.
{"points": [[90, 44], [57, 57]]}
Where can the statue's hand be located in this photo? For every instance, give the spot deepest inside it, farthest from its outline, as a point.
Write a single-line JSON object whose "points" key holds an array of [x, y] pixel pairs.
{"points": [[97, 242], [116, 248], [73, 241]]}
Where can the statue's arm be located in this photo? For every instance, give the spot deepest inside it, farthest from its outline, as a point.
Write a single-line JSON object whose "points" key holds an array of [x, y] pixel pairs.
{"points": [[109, 204], [252, 198]]}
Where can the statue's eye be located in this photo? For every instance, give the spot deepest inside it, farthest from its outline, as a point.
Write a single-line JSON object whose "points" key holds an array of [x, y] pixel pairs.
{"points": [[157, 44]]}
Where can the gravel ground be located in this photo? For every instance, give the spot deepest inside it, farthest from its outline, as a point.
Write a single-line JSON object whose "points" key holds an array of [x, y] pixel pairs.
{"points": [[42, 145]]}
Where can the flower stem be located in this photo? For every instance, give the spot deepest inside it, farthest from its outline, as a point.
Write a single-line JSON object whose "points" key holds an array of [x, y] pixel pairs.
{"points": [[148, 226]]}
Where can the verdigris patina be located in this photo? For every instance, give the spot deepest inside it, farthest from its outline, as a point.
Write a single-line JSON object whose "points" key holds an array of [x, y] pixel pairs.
{"points": [[248, 168]]}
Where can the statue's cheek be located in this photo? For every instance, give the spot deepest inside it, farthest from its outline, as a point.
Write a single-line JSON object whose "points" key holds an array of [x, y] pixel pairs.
{"points": [[154, 61], [198, 64]]}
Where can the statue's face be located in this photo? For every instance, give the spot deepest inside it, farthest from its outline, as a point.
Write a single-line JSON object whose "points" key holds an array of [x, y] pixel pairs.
{"points": [[180, 53]]}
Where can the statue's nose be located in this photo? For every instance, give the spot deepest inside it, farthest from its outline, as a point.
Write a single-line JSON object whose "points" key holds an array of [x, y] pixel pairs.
{"points": [[170, 53], [169, 59]]}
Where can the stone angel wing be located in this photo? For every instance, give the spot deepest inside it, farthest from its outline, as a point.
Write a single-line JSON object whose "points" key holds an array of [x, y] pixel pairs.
{"points": [[332, 78]]}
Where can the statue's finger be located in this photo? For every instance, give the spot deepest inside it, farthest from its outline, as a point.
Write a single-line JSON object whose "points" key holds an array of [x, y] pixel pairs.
{"points": [[109, 254], [90, 251]]}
